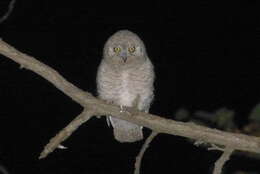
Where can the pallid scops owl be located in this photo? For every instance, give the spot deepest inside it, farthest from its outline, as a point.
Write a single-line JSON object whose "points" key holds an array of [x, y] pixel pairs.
{"points": [[125, 76]]}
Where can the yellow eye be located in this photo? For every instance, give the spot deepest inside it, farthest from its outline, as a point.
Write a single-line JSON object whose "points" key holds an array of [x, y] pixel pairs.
{"points": [[117, 49], [131, 49]]}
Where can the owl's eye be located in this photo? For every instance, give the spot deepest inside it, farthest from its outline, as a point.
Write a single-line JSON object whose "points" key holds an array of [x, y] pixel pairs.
{"points": [[117, 49], [131, 49]]}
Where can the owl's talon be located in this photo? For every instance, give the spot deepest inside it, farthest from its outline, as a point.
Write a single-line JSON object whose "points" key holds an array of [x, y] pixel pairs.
{"points": [[121, 108], [124, 109]]}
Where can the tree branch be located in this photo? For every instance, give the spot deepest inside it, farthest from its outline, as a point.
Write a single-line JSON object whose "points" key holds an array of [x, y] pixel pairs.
{"points": [[154, 122], [222, 160], [141, 153], [8, 12], [66, 132]]}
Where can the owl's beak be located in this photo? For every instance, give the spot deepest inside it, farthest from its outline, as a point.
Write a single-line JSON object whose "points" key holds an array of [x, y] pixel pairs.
{"points": [[124, 56]]}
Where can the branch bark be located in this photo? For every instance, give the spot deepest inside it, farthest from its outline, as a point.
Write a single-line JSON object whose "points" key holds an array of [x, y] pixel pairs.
{"points": [[141, 153], [222, 160], [156, 123], [65, 133], [8, 12]]}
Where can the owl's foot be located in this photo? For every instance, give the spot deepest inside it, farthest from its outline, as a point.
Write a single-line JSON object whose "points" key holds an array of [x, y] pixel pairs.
{"points": [[124, 109]]}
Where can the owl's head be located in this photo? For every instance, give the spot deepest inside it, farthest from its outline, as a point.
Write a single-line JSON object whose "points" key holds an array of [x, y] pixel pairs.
{"points": [[124, 48]]}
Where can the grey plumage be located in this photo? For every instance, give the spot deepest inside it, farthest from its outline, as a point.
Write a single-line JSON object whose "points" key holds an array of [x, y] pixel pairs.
{"points": [[125, 74]]}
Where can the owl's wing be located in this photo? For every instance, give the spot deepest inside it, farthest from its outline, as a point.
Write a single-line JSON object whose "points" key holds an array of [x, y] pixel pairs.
{"points": [[103, 85]]}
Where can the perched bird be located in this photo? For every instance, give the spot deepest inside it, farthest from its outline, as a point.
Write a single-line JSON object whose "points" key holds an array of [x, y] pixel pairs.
{"points": [[125, 76]]}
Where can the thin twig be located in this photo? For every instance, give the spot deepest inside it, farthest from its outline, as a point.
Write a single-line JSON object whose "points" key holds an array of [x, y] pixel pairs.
{"points": [[65, 133], [141, 153], [8, 12], [222, 160], [3, 170]]}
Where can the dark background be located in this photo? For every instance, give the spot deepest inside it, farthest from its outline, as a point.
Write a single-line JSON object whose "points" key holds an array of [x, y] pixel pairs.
{"points": [[204, 55]]}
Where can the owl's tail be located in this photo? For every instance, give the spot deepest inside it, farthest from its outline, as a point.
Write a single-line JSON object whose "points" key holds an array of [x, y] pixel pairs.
{"points": [[125, 131]]}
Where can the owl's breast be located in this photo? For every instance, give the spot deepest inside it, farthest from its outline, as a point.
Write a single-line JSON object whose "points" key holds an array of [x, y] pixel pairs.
{"points": [[126, 91]]}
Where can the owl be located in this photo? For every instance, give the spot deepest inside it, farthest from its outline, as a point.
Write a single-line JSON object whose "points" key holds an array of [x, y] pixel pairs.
{"points": [[125, 77]]}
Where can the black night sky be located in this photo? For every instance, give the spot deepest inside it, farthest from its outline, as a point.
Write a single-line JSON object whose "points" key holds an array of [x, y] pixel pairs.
{"points": [[205, 58]]}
